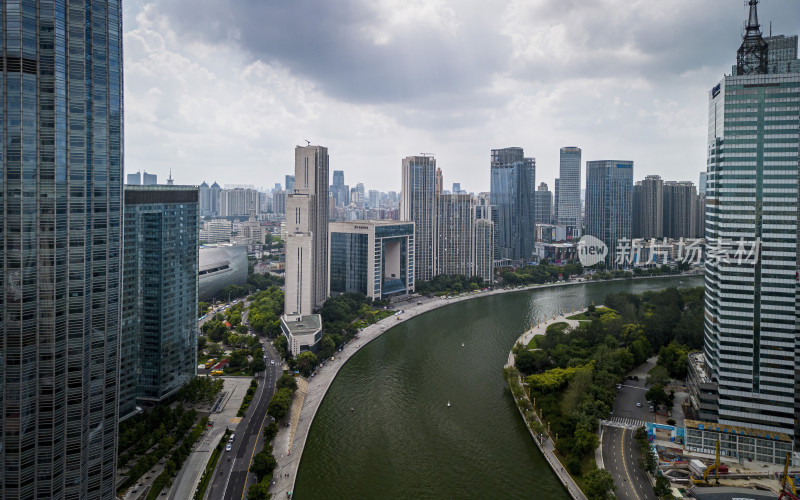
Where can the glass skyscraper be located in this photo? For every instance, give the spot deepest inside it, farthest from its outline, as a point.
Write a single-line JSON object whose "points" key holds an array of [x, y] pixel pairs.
{"points": [[752, 315], [60, 258], [159, 307], [569, 191], [609, 196], [513, 193]]}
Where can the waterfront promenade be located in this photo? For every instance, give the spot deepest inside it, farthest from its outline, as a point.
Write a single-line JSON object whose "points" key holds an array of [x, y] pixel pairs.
{"points": [[545, 442], [288, 445]]}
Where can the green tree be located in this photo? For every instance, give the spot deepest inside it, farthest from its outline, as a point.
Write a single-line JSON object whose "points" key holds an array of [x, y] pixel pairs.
{"points": [[202, 308], [327, 347], [237, 360], [258, 365], [662, 488], [306, 362], [280, 403], [658, 376], [214, 350], [599, 484], [201, 343], [270, 431], [263, 463], [657, 395], [241, 329], [258, 491], [286, 381]]}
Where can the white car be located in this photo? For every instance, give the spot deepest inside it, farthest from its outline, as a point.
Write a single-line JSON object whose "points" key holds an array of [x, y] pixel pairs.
{"points": [[272, 361], [638, 404], [228, 448]]}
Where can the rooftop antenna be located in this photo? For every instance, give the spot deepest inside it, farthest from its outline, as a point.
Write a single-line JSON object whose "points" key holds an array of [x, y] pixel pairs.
{"points": [[308, 143]]}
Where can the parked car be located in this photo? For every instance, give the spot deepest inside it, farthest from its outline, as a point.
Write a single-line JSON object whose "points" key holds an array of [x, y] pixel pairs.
{"points": [[638, 404], [228, 448]]}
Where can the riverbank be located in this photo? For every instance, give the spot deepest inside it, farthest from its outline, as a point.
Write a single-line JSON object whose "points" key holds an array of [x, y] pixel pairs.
{"points": [[318, 385], [542, 439]]}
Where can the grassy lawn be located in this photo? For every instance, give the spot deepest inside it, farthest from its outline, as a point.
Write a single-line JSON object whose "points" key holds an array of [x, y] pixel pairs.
{"points": [[558, 327], [532, 343]]}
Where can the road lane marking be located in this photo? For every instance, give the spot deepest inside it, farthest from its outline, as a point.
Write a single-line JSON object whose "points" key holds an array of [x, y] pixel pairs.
{"points": [[625, 463]]}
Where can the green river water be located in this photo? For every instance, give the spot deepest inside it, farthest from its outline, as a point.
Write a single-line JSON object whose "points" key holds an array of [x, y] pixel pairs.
{"points": [[401, 440]]}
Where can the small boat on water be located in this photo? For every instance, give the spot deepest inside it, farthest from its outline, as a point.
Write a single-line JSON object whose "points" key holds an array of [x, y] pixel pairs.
{"points": [[448, 404], [462, 344]]}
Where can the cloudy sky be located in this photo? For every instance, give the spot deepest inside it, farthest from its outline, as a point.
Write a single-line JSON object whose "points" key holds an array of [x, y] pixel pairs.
{"points": [[223, 90]]}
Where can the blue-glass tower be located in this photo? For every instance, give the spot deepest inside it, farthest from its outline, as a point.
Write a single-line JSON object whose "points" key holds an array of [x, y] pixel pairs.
{"points": [[609, 197], [513, 192], [60, 251]]}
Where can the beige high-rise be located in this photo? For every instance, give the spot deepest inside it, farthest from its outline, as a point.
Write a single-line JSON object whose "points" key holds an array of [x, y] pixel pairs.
{"points": [[307, 211]]}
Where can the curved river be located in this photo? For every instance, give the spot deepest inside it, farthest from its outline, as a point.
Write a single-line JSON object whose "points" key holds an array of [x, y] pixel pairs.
{"points": [[401, 440]]}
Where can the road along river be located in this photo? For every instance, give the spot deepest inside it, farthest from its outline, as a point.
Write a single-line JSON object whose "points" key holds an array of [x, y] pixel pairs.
{"points": [[385, 430]]}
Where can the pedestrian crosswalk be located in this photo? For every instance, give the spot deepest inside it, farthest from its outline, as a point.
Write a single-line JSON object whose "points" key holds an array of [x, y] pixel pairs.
{"points": [[625, 423]]}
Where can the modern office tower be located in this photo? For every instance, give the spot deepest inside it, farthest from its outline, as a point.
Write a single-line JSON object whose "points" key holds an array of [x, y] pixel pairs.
{"points": [[375, 258], [374, 198], [204, 199], [438, 182], [454, 223], [158, 332], [61, 245], [544, 205], [279, 201], [307, 211], [134, 179], [263, 202], [752, 315], [556, 190], [609, 193], [418, 204], [237, 201], [339, 190], [218, 267], [149, 179], [362, 195], [569, 190], [289, 184], [513, 193], [701, 186], [457, 188], [648, 208], [680, 203]]}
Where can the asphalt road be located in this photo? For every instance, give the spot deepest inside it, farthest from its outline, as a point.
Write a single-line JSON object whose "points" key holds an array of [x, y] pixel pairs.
{"points": [[232, 476], [621, 454]]}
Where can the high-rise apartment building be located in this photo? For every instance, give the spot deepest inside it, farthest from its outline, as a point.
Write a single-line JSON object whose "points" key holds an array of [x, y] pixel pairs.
{"points": [[159, 306], [556, 189], [237, 201], [513, 193], [279, 201], [307, 211], [701, 186], [438, 182], [680, 203], [648, 208], [569, 190], [609, 193], [544, 205], [752, 315], [482, 253], [374, 198], [216, 193], [454, 223], [418, 204], [289, 184], [61, 242]]}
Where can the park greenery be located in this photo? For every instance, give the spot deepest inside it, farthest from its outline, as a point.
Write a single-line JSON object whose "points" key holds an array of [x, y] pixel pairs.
{"points": [[540, 273], [200, 390], [147, 438], [265, 311], [449, 284], [599, 484], [281, 401], [248, 398], [571, 373], [175, 462]]}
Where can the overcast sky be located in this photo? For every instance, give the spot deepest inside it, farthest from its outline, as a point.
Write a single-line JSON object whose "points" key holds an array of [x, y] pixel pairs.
{"points": [[224, 90]]}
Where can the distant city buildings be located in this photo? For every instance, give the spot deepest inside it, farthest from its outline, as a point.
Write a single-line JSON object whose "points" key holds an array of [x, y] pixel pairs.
{"points": [[418, 205], [609, 193], [569, 191], [648, 208], [680, 203], [159, 301], [289, 184], [141, 179], [513, 193], [375, 258], [482, 249], [237, 201]]}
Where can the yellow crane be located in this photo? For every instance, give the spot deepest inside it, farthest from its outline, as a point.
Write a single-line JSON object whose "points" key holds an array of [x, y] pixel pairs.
{"points": [[785, 479]]}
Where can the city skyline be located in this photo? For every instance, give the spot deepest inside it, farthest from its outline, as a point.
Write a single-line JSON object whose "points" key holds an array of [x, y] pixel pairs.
{"points": [[642, 99]]}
